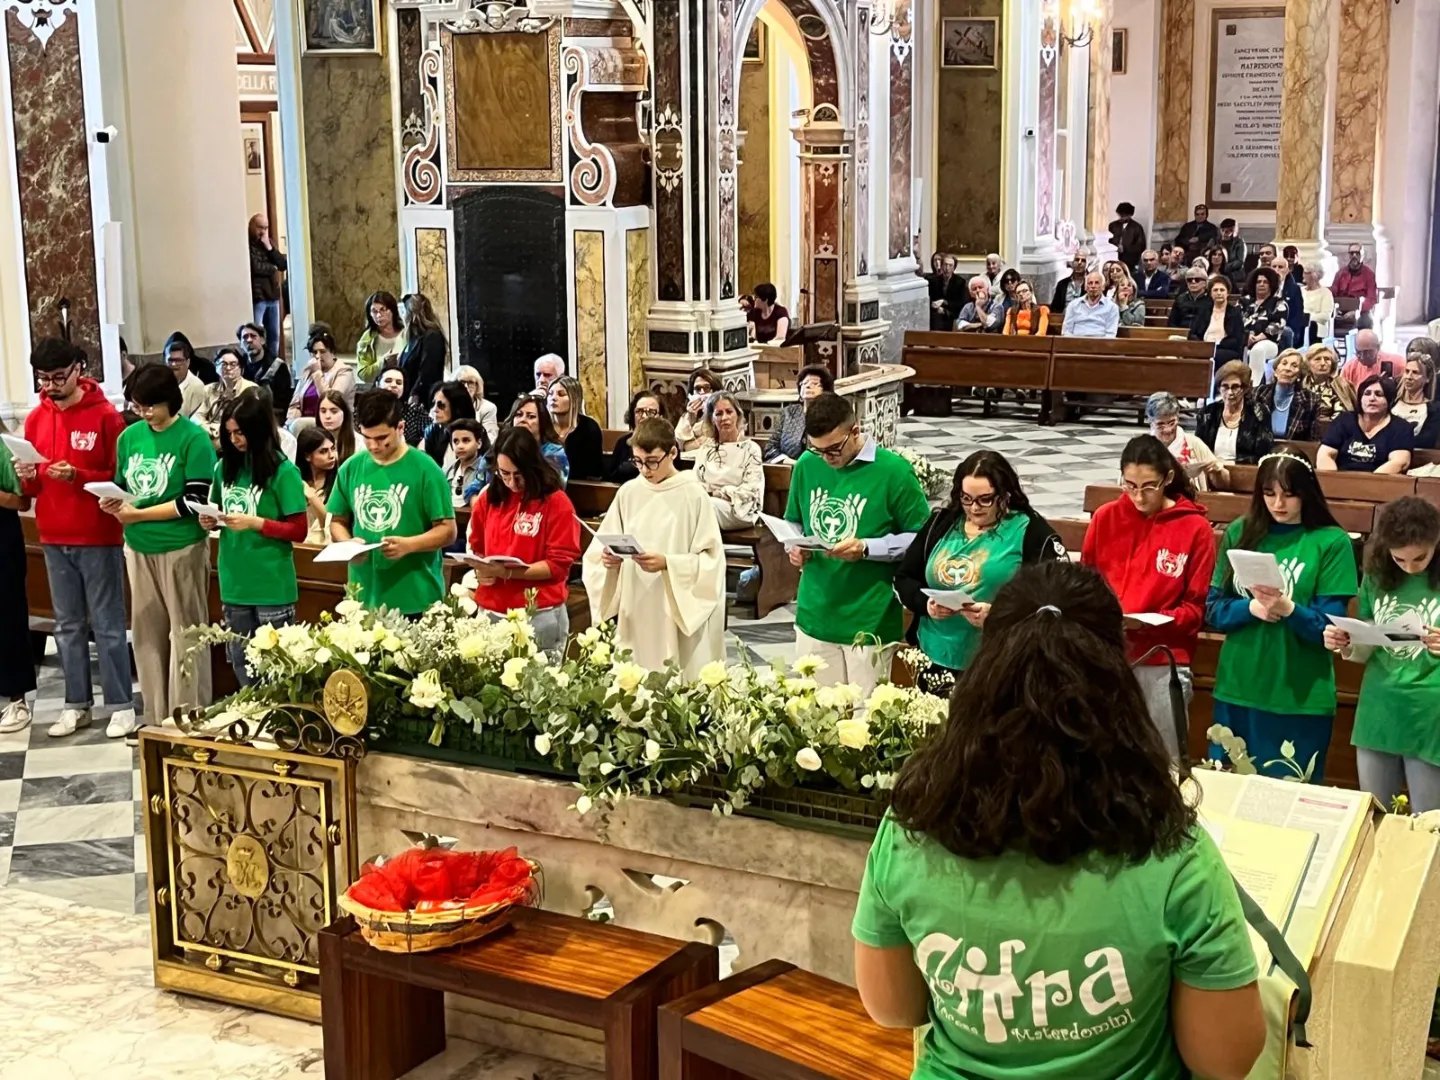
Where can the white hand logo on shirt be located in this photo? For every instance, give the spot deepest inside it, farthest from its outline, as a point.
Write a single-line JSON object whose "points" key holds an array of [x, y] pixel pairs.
{"points": [[240, 500], [147, 478], [378, 511], [834, 520]]}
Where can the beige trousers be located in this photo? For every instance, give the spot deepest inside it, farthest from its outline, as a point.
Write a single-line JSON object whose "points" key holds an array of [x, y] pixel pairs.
{"points": [[169, 593]]}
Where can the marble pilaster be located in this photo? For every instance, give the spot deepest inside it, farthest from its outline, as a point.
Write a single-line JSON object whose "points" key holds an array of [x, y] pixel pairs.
{"points": [[1298, 211], [1045, 151], [1172, 152], [589, 321], [637, 300], [1097, 136], [432, 270], [1360, 93], [902, 136]]}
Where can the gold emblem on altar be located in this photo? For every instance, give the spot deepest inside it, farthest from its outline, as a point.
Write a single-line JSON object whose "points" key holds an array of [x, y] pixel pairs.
{"points": [[247, 866], [346, 704]]}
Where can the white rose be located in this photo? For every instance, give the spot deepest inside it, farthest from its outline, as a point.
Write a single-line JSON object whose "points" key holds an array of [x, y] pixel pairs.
{"points": [[562, 678], [347, 608], [471, 646], [601, 653], [542, 744], [582, 805], [853, 732], [589, 637], [458, 589], [884, 696], [514, 667], [652, 750], [809, 664], [807, 759], [265, 638], [840, 696], [628, 676], [324, 656], [426, 691], [713, 674]]}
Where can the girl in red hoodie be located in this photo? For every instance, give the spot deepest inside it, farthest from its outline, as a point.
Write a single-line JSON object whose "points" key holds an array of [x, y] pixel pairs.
{"points": [[523, 514], [1155, 548]]}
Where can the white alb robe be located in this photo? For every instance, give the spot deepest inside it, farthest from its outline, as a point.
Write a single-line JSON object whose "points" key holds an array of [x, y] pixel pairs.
{"points": [[679, 612]]}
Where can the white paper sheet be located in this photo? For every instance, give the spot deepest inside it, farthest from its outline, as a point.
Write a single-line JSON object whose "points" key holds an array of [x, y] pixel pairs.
{"points": [[951, 599], [22, 450], [622, 544], [1150, 618], [205, 509], [343, 550], [1254, 568], [486, 560], [1383, 635], [105, 489], [791, 535]]}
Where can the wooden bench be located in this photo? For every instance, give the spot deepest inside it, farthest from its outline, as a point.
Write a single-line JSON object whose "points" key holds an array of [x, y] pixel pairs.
{"points": [[1153, 333], [776, 1021], [1223, 507], [1157, 312], [1309, 449], [1351, 486], [383, 1013], [950, 359]]}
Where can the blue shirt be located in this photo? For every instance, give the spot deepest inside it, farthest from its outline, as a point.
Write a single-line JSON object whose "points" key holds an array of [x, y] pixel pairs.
{"points": [[1082, 319], [1280, 415]]}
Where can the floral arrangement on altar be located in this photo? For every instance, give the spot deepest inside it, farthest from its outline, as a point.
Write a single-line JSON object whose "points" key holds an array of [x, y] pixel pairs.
{"points": [[934, 481], [619, 728]]}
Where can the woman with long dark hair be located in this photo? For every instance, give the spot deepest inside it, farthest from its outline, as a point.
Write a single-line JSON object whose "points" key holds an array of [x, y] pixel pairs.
{"points": [[1275, 681], [1040, 840], [384, 335], [1155, 549], [529, 412], [525, 515], [422, 362], [337, 419], [975, 544], [1369, 438], [449, 402], [318, 461], [644, 405], [1397, 719], [262, 501]]}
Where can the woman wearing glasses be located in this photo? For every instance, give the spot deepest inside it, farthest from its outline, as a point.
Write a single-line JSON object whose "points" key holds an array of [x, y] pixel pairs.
{"points": [[974, 545], [670, 598], [1154, 547], [524, 514], [643, 406], [1232, 427]]}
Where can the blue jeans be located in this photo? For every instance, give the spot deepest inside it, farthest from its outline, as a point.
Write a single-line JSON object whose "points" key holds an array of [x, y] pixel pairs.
{"points": [[551, 626], [87, 590], [267, 314], [246, 619]]}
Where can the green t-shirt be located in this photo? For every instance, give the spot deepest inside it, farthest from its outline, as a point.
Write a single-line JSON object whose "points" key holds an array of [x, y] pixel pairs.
{"points": [[155, 466], [1399, 707], [979, 566], [1042, 972], [1266, 665], [866, 499], [9, 482], [257, 570], [404, 498]]}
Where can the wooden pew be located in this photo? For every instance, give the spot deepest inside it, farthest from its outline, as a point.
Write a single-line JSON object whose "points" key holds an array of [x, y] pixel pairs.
{"points": [[947, 359], [1309, 449], [1223, 507], [1127, 366], [1354, 487], [1152, 333], [1157, 312]]}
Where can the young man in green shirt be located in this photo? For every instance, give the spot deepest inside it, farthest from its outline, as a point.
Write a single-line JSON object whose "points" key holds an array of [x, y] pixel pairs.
{"points": [[397, 498], [866, 504]]}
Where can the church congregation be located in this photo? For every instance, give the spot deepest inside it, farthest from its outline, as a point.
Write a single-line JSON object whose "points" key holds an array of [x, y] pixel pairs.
{"points": [[521, 566]]}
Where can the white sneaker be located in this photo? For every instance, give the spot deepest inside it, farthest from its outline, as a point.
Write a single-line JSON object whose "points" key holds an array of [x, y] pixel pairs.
{"points": [[69, 721], [16, 717], [122, 723]]}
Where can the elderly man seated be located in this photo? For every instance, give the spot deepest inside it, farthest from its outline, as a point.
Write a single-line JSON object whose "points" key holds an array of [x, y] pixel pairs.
{"points": [[1369, 360], [1190, 302], [1094, 314], [985, 313], [1153, 282]]}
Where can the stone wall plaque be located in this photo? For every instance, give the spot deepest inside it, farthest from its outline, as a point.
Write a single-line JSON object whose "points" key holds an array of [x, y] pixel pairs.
{"points": [[1247, 63]]}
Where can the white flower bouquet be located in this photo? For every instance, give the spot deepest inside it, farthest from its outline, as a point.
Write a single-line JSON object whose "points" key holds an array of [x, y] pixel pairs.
{"points": [[935, 481]]}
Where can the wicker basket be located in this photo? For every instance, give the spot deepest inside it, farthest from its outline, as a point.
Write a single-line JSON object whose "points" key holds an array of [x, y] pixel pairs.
{"points": [[426, 931]]}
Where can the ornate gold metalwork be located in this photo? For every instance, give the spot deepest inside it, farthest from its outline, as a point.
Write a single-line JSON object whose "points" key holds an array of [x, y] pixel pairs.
{"points": [[247, 867], [346, 703]]}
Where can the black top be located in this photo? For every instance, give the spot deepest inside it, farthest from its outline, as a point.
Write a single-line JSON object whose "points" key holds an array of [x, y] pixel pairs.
{"points": [[264, 264], [1233, 342], [1041, 544], [765, 326], [423, 365], [955, 294], [584, 448], [1253, 439], [1129, 238], [273, 374], [1062, 296], [1182, 311], [1197, 237], [1357, 452]]}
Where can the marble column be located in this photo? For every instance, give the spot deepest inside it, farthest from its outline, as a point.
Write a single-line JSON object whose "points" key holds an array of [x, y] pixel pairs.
{"points": [[1299, 209], [1172, 152], [1362, 67], [1098, 210]]}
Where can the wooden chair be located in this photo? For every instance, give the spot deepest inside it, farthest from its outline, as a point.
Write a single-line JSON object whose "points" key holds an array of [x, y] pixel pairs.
{"points": [[383, 1013], [776, 1021]]}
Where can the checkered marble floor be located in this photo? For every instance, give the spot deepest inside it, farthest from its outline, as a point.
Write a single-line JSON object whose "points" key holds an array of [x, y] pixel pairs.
{"points": [[70, 818]]}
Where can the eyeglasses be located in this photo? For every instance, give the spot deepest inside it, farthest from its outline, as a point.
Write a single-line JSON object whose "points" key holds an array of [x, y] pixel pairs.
{"points": [[984, 502], [1147, 488], [641, 412], [1232, 388], [648, 464], [832, 453], [55, 378], [508, 474]]}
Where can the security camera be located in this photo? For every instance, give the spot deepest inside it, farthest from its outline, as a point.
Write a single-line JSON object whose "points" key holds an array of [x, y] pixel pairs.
{"points": [[105, 134]]}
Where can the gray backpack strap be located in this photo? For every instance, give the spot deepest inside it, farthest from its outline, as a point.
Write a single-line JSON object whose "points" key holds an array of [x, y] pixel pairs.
{"points": [[1285, 959]]}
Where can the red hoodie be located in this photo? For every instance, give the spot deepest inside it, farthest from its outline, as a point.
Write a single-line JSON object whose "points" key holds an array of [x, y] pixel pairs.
{"points": [[83, 435], [545, 530], [1160, 564]]}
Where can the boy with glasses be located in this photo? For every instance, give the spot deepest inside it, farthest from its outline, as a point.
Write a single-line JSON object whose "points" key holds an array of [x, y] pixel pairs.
{"points": [[670, 599], [76, 429], [866, 504]]}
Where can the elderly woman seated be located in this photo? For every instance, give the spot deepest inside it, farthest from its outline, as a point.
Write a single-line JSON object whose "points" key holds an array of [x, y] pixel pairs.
{"points": [[1371, 438], [728, 464], [1322, 378], [1231, 427], [1162, 413], [1286, 404], [787, 438], [985, 313]]}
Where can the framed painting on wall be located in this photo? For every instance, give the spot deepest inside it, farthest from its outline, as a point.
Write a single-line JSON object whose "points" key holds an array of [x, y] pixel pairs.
{"points": [[340, 27], [755, 44], [969, 43]]}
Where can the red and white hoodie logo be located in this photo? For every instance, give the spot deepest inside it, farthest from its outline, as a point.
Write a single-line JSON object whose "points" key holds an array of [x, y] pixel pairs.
{"points": [[1171, 564], [528, 524], [84, 440]]}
